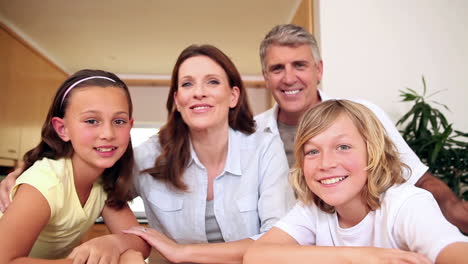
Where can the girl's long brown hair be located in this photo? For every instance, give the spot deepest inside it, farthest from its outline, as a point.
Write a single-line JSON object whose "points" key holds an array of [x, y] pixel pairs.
{"points": [[174, 135], [117, 180]]}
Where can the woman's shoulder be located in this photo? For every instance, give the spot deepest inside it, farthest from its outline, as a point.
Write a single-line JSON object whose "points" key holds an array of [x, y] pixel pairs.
{"points": [[146, 152]]}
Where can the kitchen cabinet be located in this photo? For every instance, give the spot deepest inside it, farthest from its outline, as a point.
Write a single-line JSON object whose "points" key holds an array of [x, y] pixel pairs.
{"points": [[28, 82]]}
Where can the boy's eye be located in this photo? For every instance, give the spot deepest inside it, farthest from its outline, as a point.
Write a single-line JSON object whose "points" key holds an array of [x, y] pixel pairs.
{"points": [[312, 152], [344, 147]]}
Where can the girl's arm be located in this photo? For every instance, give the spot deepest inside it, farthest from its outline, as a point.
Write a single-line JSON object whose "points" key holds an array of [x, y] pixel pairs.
{"points": [[277, 247], [229, 252], [20, 226], [113, 245]]}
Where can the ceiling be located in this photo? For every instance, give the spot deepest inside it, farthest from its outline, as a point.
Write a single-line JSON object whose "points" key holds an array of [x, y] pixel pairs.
{"points": [[143, 37]]}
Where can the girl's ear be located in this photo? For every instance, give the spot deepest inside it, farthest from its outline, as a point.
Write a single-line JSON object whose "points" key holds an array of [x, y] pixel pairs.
{"points": [[59, 127]]}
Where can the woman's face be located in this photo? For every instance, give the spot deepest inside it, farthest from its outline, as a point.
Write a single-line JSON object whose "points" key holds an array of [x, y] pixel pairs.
{"points": [[203, 96]]}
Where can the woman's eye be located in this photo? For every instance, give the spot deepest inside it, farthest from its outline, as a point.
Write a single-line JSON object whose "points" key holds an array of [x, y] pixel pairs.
{"points": [[344, 147], [186, 84], [213, 82]]}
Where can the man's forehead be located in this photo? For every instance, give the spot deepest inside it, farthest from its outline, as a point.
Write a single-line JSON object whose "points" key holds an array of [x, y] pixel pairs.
{"points": [[288, 53]]}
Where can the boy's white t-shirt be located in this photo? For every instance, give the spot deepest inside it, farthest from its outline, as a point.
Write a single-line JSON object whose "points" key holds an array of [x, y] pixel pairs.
{"points": [[408, 219]]}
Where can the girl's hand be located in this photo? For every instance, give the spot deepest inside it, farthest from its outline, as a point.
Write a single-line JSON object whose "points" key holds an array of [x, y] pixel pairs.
{"points": [[132, 257], [167, 247], [100, 250]]}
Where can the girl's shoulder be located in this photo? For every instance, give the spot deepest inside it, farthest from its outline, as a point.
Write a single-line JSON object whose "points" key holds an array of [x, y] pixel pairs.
{"points": [[47, 171]]}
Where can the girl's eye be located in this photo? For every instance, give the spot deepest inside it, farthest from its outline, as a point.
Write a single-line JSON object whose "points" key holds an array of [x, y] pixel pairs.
{"points": [[344, 147], [120, 121], [91, 121]]}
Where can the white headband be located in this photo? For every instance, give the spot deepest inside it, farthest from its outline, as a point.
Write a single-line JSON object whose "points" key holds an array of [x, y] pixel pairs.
{"points": [[80, 81]]}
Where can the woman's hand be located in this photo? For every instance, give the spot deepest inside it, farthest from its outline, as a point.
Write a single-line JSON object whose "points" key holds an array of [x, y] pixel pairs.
{"points": [[167, 247], [100, 250]]}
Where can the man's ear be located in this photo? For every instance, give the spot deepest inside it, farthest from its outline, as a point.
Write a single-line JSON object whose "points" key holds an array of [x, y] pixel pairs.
{"points": [[59, 127]]}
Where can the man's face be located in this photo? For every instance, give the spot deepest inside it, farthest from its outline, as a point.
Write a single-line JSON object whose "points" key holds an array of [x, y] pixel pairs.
{"points": [[292, 76]]}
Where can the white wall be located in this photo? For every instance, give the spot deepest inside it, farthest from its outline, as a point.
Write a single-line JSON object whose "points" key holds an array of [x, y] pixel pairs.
{"points": [[373, 48]]}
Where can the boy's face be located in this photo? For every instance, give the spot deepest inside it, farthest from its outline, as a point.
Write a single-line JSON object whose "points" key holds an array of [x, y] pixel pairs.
{"points": [[292, 76], [335, 164]]}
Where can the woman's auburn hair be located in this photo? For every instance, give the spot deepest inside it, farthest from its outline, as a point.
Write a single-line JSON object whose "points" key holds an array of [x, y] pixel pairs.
{"points": [[384, 167], [174, 139], [116, 180]]}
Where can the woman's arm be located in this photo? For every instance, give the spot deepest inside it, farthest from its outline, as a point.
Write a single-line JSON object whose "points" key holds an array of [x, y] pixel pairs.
{"points": [[20, 226], [113, 245], [229, 252], [277, 247]]}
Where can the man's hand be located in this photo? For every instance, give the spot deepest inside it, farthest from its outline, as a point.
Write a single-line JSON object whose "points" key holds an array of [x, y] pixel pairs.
{"points": [[5, 187]]}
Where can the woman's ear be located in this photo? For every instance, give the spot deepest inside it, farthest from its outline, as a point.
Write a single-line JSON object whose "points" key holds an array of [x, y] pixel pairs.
{"points": [[175, 101], [235, 92], [60, 128]]}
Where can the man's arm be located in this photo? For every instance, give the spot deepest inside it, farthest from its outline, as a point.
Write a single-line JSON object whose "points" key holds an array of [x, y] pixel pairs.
{"points": [[454, 209]]}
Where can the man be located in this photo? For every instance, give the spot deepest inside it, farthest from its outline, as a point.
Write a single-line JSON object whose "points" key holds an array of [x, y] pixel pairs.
{"points": [[292, 68]]}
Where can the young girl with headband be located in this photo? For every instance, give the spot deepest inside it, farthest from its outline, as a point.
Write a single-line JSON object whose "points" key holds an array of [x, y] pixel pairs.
{"points": [[348, 180], [80, 170]]}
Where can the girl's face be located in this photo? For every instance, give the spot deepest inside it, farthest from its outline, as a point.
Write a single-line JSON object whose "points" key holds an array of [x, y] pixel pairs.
{"points": [[97, 123], [335, 164], [204, 96]]}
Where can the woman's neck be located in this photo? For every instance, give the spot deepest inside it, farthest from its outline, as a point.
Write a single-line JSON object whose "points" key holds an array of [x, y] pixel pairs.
{"points": [[211, 146]]}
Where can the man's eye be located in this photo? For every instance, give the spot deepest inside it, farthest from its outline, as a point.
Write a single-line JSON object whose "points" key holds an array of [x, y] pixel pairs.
{"points": [[276, 69]]}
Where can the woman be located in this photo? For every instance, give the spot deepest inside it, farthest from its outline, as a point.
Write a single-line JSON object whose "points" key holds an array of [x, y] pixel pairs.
{"points": [[207, 177]]}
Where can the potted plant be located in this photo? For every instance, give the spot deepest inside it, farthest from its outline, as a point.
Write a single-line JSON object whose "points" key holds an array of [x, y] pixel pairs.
{"points": [[443, 149]]}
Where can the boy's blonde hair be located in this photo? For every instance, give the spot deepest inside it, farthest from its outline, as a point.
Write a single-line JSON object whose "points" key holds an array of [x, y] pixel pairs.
{"points": [[384, 167]]}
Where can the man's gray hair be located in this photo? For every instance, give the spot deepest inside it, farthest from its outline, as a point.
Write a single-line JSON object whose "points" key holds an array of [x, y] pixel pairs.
{"points": [[288, 35]]}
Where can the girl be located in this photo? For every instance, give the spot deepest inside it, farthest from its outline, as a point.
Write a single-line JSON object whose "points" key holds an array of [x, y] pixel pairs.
{"points": [[80, 170], [348, 180]]}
